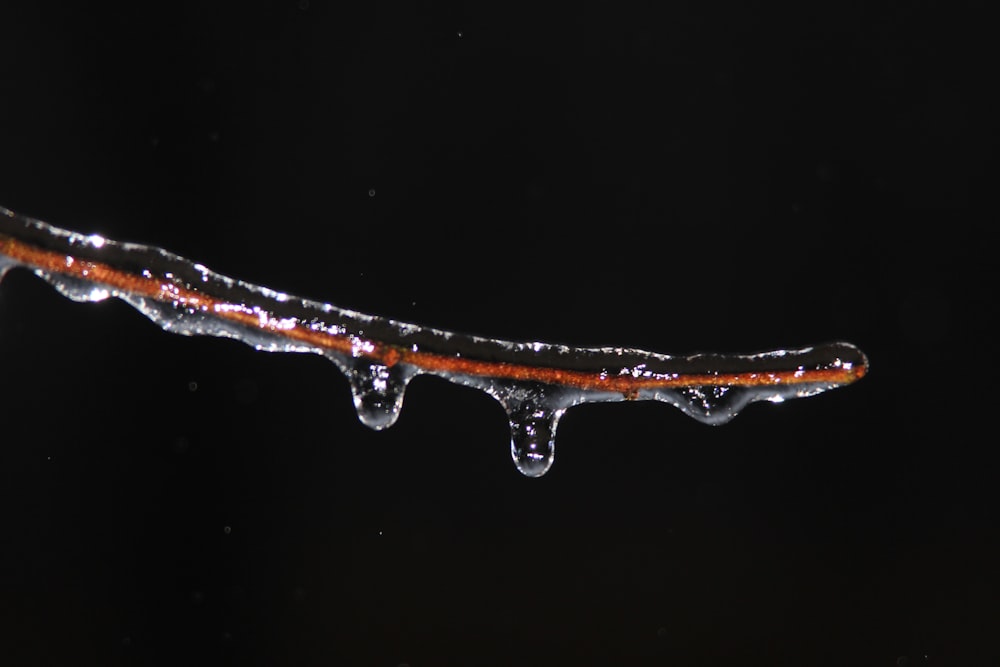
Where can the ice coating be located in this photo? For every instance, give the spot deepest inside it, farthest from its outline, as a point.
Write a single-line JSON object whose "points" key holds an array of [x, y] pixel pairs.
{"points": [[534, 382]]}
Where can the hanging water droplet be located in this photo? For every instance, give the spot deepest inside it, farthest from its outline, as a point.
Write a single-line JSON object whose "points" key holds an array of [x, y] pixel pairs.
{"points": [[533, 439], [378, 391], [714, 405]]}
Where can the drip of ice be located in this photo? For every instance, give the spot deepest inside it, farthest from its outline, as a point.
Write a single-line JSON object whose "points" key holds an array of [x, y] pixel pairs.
{"points": [[533, 438], [713, 405], [533, 411], [377, 389]]}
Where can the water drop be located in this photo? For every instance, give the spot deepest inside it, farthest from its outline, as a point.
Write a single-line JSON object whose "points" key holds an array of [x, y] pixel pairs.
{"points": [[377, 390], [714, 405], [533, 438]]}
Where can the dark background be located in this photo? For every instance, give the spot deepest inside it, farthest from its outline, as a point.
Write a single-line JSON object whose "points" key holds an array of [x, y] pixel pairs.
{"points": [[679, 177]]}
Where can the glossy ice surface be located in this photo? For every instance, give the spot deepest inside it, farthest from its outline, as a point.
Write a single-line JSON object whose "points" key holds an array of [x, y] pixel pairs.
{"points": [[535, 382]]}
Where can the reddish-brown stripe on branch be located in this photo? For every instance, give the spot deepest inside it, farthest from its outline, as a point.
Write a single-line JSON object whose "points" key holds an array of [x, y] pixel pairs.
{"points": [[165, 290]]}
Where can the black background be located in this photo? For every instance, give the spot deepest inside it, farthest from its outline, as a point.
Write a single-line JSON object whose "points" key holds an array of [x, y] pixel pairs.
{"points": [[679, 177]]}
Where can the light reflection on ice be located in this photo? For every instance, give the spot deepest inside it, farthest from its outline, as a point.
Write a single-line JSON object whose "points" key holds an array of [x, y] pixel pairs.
{"points": [[535, 382]]}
